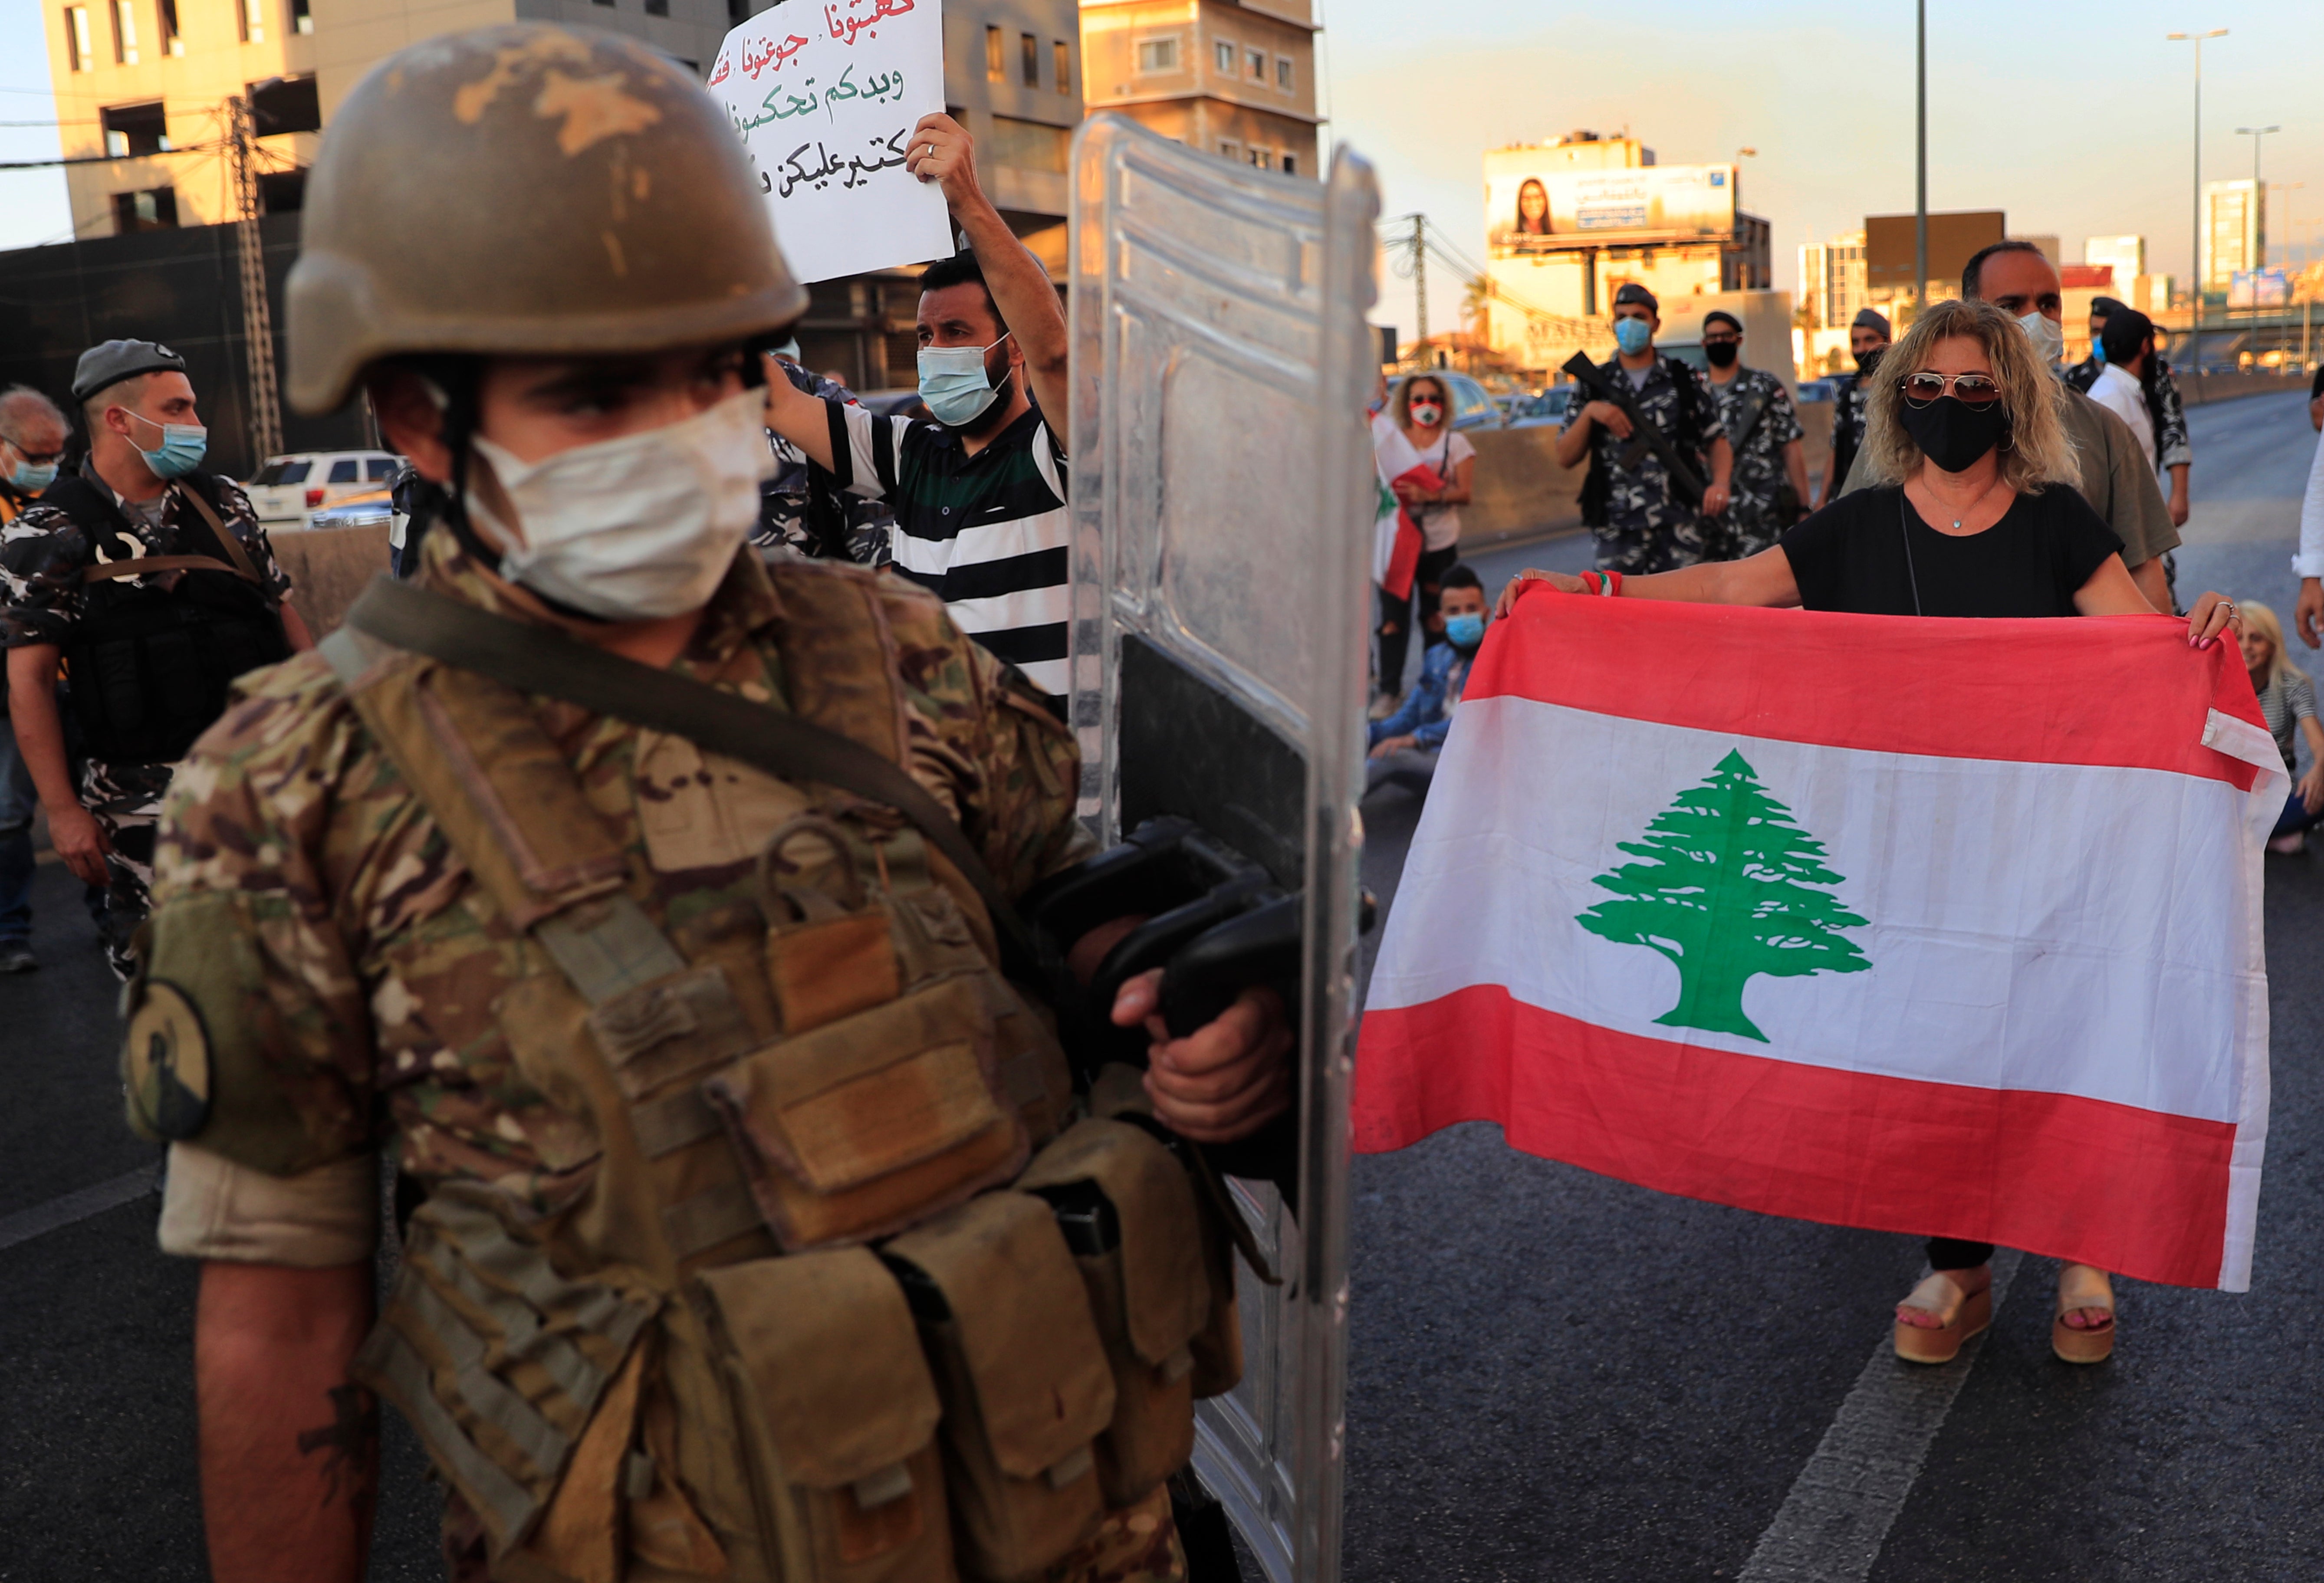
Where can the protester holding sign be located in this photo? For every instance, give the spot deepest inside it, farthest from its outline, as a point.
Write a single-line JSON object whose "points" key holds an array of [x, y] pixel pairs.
{"points": [[980, 494], [1975, 515]]}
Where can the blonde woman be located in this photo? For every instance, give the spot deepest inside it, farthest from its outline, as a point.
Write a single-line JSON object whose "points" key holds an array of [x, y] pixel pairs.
{"points": [[1975, 513], [2287, 698], [1422, 409]]}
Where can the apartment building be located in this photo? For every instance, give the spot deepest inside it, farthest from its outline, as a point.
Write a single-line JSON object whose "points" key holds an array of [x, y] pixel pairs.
{"points": [[1832, 280], [1236, 77]]}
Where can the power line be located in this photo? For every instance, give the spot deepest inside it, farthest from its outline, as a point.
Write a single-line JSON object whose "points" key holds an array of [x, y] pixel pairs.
{"points": [[193, 148]]}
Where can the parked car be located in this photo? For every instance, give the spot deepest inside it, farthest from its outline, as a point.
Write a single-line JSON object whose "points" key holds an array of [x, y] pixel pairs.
{"points": [[1473, 406], [1550, 407], [367, 510], [1818, 389], [289, 490]]}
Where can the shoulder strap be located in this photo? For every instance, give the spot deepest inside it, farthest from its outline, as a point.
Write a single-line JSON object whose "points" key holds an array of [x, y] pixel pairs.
{"points": [[143, 566], [1755, 408], [535, 659], [226, 541]]}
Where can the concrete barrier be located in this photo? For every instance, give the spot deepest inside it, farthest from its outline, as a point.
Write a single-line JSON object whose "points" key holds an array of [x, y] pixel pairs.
{"points": [[328, 568], [1519, 491]]}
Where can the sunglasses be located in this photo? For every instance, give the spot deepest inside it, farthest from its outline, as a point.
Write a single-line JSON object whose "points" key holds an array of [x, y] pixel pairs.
{"points": [[1970, 390]]}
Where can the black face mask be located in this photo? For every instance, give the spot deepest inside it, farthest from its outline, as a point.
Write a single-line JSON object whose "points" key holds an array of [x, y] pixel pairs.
{"points": [[1865, 361], [1721, 353], [1953, 433]]}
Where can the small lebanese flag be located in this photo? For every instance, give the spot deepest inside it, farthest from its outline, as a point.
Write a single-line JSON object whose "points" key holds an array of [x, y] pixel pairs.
{"points": [[1941, 926], [1395, 537]]}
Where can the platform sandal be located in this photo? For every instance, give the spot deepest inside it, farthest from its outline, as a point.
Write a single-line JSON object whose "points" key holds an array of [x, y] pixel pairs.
{"points": [[2082, 1286], [1964, 1314]]}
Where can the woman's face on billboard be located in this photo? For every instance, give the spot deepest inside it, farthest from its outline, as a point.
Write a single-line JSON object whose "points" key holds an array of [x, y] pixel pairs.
{"points": [[1532, 205]]}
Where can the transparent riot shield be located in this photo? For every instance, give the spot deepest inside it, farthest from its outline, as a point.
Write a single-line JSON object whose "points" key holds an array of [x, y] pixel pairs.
{"points": [[1222, 504]]}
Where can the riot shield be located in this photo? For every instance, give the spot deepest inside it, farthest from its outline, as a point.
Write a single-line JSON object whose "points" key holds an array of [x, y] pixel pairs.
{"points": [[1222, 503]]}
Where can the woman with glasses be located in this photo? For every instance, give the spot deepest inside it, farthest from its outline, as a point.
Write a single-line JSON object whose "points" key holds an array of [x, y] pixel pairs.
{"points": [[1976, 513]]}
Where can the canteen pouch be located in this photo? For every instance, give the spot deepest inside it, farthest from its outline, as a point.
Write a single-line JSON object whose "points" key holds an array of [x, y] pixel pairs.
{"points": [[864, 1125], [500, 1363], [1128, 1212], [1022, 1376], [838, 1415]]}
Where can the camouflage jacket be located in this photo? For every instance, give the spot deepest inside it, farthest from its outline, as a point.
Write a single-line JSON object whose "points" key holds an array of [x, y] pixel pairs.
{"points": [[1639, 498], [1847, 408], [43, 552], [1758, 472], [371, 966]]}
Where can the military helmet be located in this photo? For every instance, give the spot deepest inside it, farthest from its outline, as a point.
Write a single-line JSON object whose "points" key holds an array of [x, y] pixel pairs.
{"points": [[527, 189]]}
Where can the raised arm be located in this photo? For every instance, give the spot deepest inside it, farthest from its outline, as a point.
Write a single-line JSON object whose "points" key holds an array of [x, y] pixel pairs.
{"points": [[944, 153], [802, 418]]}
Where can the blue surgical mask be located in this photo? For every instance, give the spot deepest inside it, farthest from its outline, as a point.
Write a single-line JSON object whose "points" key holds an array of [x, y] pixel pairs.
{"points": [[1633, 336], [954, 384], [181, 449], [33, 479], [1464, 632], [2098, 350]]}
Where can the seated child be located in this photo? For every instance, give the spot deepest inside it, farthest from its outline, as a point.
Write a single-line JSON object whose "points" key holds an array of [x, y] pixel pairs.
{"points": [[1405, 745]]}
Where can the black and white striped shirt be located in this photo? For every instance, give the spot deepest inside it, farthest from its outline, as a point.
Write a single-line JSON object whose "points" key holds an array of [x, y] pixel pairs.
{"points": [[987, 533]]}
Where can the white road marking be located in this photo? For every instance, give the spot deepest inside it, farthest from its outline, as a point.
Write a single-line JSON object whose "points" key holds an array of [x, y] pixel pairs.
{"points": [[73, 1207], [1842, 1507]]}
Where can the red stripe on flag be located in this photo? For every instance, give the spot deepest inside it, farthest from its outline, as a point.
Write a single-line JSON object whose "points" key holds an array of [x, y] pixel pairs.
{"points": [[2139, 1193], [2014, 690], [1404, 560]]}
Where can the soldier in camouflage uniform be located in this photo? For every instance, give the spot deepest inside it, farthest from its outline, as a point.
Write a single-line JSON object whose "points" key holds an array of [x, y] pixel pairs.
{"points": [[341, 960], [1770, 477], [2174, 451], [1627, 502], [136, 498], [1868, 338]]}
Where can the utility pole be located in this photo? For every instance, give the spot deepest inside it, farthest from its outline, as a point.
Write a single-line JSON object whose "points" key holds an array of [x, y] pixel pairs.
{"points": [[1420, 286], [1921, 161], [257, 315], [2259, 196], [2195, 333]]}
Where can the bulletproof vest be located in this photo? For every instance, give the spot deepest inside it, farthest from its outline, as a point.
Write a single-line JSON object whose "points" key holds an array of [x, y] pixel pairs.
{"points": [[149, 666], [855, 1289]]}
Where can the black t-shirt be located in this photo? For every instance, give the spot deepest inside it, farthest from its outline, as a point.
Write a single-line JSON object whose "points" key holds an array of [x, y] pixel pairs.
{"points": [[1851, 555], [2316, 385]]}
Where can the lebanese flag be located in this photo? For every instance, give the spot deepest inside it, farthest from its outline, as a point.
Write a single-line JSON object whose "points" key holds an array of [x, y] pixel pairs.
{"points": [[1395, 537], [1950, 927]]}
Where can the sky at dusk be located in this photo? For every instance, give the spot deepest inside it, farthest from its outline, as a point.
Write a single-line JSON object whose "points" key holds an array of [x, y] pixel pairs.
{"points": [[2075, 117]]}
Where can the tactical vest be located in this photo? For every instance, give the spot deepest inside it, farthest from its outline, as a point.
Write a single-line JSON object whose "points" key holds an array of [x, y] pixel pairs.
{"points": [[1687, 438], [856, 1289], [149, 666]]}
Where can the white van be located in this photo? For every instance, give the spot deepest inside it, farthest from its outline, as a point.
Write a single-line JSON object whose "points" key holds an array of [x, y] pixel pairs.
{"points": [[290, 490]]}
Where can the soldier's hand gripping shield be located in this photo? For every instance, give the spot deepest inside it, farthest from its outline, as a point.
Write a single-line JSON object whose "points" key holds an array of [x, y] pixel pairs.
{"points": [[1222, 556]]}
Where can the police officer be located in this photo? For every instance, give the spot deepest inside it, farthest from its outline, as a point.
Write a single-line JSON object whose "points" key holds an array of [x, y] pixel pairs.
{"points": [[1628, 503], [154, 585], [663, 1040], [1769, 480], [33, 435], [1868, 338], [2174, 451]]}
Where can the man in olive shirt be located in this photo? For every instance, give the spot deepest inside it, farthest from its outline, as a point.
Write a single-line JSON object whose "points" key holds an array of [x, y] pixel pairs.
{"points": [[2015, 277]]}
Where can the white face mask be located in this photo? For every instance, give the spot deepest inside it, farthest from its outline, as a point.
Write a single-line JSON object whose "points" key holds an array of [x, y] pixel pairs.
{"points": [[2049, 337], [635, 528]]}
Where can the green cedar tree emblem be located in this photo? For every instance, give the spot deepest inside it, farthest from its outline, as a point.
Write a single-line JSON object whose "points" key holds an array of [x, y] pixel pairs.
{"points": [[1727, 887]]}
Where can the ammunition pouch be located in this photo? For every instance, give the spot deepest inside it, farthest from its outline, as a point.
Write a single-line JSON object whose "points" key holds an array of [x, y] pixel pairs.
{"points": [[838, 1414]]}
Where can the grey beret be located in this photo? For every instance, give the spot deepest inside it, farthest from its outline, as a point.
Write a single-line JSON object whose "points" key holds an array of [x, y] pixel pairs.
{"points": [[111, 361]]}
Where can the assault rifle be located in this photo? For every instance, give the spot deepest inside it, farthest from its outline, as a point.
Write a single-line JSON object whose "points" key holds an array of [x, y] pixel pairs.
{"points": [[1646, 435]]}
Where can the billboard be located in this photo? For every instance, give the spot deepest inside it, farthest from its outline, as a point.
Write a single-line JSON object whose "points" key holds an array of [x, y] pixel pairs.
{"points": [[1952, 238], [2259, 288], [1559, 208]]}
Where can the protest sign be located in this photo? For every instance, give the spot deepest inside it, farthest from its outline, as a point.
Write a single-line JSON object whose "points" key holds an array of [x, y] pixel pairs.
{"points": [[822, 94]]}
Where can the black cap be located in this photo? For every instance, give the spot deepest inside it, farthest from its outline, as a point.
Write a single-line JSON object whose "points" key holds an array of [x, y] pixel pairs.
{"points": [[111, 361], [1871, 318], [1720, 313], [2106, 305], [2125, 336], [1631, 292]]}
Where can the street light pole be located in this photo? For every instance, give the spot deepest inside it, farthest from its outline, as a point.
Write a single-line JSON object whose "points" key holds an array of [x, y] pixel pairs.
{"points": [[1921, 159], [2195, 332], [2259, 196]]}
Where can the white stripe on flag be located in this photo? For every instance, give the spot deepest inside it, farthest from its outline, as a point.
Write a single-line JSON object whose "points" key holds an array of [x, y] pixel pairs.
{"points": [[2052, 928]]}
